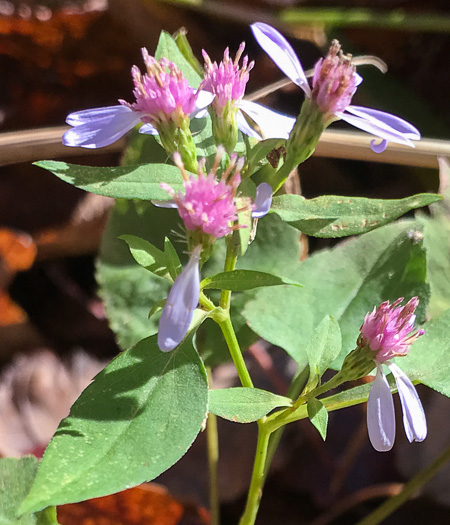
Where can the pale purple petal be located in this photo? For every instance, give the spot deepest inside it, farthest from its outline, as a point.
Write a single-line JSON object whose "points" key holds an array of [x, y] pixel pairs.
{"points": [[204, 99], [164, 204], [101, 131], [89, 115], [378, 129], [263, 200], [395, 123], [281, 52], [273, 125], [380, 414], [380, 147], [180, 305], [148, 129], [414, 419]]}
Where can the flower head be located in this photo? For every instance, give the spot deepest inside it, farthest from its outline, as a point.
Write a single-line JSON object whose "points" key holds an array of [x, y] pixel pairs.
{"points": [[163, 96], [335, 81], [389, 332], [227, 80], [389, 329], [208, 204], [162, 93], [334, 84]]}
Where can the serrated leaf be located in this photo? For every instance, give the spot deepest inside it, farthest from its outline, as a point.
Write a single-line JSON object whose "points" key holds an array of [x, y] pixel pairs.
{"points": [[345, 282], [318, 416], [336, 216], [126, 182], [322, 348], [136, 419], [244, 405], [239, 280]]}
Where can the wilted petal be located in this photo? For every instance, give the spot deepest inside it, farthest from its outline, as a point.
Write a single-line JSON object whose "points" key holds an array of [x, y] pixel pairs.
{"points": [[380, 414], [263, 200], [180, 305], [273, 125], [379, 129], [99, 127], [414, 419], [395, 123], [281, 52]]}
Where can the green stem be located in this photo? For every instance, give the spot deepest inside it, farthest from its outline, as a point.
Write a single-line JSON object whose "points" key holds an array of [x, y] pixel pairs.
{"points": [[230, 265], [212, 440], [257, 482], [408, 491], [235, 352]]}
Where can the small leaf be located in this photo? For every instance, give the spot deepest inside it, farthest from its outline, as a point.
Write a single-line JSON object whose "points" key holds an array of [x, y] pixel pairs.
{"points": [[238, 280], [245, 222], [244, 405], [336, 216], [318, 416], [172, 260], [322, 348], [135, 420], [126, 182], [147, 255]]}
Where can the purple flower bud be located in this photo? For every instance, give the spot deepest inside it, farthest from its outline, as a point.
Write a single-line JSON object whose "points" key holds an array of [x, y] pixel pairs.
{"points": [[180, 305]]}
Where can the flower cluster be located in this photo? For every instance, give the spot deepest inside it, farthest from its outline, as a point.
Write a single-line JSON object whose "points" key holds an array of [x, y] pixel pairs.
{"points": [[209, 211], [389, 332], [334, 84]]}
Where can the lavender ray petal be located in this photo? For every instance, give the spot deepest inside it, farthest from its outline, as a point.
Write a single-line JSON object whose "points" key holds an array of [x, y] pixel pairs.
{"points": [[396, 123], [380, 414], [101, 132], [164, 204], [204, 99], [281, 52], [180, 305], [378, 148], [379, 130], [414, 419], [88, 115], [263, 200], [273, 125], [245, 127], [148, 129]]}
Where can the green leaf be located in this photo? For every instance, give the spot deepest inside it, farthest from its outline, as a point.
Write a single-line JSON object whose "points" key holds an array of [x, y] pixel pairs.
{"points": [[428, 360], [318, 416], [126, 182], [172, 260], [147, 255], [167, 48], [345, 282], [244, 405], [16, 478], [335, 216], [238, 280], [322, 348], [137, 418]]}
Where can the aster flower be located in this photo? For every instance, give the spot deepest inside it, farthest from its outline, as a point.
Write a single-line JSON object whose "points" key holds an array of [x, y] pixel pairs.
{"points": [[389, 332], [334, 83], [227, 81], [163, 99], [208, 210]]}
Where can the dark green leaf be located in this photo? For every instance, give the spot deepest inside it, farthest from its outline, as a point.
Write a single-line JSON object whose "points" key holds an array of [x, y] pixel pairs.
{"points": [[137, 418], [239, 280], [335, 216], [244, 405], [318, 416], [126, 182], [345, 282]]}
